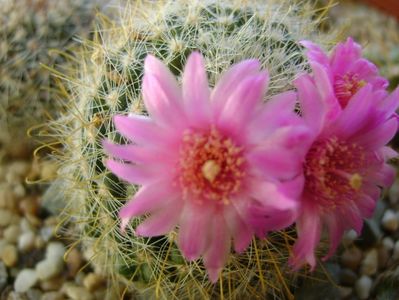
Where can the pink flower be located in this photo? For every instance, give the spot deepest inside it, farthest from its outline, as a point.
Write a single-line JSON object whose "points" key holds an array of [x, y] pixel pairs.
{"points": [[346, 69], [209, 161], [345, 166]]}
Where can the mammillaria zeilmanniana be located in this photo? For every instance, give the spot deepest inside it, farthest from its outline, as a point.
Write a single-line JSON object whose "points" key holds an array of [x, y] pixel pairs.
{"points": [[33, 35], [265, 35]]}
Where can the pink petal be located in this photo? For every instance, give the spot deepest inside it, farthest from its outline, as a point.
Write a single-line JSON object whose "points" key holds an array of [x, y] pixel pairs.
{"points": [[309, 230], [167, 81], [363, 68], [336, 229], [379, 136], [276, 113], [273, 210], [355, 115], [366, 205], [313, 109], [241, 104], [218, 249], [390, 104], [388, 153], [196, 92], [194, 231], [161, 222], [162, 106], [148, 199], [272, 196], [344, 55], [326, 91], [132, 173], [315, 53], [239, 229], [230, 80], [137, 154], [139, 129], [385, 177], [275, 157]]}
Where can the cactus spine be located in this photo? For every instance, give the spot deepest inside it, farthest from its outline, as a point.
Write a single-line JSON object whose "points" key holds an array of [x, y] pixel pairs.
{"points": [[109, 83]]}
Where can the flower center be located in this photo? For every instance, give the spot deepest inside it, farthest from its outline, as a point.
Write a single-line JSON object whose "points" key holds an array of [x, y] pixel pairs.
{"points": [[211, 166], [346, 86], [333, 172]]}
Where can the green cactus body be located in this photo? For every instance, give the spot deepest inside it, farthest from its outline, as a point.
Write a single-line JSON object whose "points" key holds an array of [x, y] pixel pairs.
{"points": [[32, 35], [109, 83]]}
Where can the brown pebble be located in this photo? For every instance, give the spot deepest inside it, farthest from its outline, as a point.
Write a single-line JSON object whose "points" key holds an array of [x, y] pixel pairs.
{"points": [[383, 257], [53, 284], [52, 296], [9, 255], [93, 281], [74, 261], [29, 205], [351, 258]]}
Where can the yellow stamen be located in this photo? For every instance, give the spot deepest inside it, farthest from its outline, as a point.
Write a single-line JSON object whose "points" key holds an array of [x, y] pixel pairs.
{"points": [[210, 169], [355, 181]]}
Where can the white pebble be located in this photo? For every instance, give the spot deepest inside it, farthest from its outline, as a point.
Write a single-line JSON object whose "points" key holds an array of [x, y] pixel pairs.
{"points": [[369, 264], [48, 268], [25, 280], [349, 237], [75, 292], [388, 243], [55, 250], [11, 234], [389, 220], [363, 287], [19, 190], [5, 217], [25, 225], [26, 241], [395, 254]]}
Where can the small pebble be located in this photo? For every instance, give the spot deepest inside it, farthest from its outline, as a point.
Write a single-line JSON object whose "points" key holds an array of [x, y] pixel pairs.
{"points": [[3, 276], [52, 284], [29, 206], [16, 296], [33, 294], [369, 264], [383, 257], [347, 277], [9, 255], [76, 292], [11, 234], [6, 217], [93, 281], [74, 261], [395, 254], [55, 250], [19, 190], [26, 241], [389, 220], [348, 238], [345, 291], [25, 280], [47, 232], [363, 287], [394, 193], [351, 258], [52, 296], [388, 243], [48, 268]]}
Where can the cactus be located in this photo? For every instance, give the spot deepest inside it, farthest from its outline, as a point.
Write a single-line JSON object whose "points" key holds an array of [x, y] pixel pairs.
{"points": [[109, 82], [33, 34]]}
